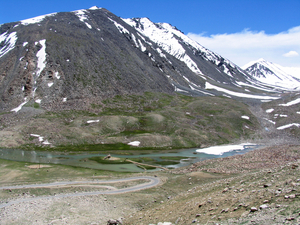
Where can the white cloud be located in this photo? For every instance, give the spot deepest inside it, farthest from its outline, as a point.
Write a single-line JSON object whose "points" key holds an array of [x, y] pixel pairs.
{"points": [[291, 54], [247, 45]]}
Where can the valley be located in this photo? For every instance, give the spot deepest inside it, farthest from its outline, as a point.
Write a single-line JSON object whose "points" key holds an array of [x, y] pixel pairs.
{"points": [[104, 118]]}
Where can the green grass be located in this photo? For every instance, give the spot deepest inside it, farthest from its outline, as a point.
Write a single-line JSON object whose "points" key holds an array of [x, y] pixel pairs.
{"points": [[158, 120]]}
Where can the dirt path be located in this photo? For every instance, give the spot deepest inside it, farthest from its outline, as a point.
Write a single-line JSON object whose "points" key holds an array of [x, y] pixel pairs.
{"points": [[153, 182]]}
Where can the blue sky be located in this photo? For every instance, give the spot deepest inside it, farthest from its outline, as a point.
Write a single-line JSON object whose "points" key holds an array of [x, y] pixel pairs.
{"points": [[213, 23]]}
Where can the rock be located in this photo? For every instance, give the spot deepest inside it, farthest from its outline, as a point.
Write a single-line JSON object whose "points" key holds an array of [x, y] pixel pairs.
{"points": [[288, 181], [198, 215], [225, 190], [292, 196], [112, 222], [264, 206], [253, 209], [267, 185], [265, 201], [290, 218], [294, 166]]}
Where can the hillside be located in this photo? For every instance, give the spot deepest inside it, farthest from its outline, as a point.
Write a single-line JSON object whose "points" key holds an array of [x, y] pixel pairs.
{"points": [[88, 77]]}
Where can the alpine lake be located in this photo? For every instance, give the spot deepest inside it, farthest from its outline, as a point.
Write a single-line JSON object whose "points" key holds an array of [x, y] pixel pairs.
{"points": [[129, 161]]}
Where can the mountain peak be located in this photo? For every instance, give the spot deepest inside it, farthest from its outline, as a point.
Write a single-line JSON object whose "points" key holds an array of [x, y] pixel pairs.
{"points": [[271, 73], [251, 63], [94, 8]]}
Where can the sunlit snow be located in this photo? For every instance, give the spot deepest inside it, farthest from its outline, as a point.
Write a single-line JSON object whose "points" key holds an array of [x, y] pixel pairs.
{"points": [[245, 117], [8, 42], [17, 109], [83, 17], [219, 150], [41, 57], [237, 94], [288, 126], [294, 102], [94, 8], [92, 121], [134, 143], [164, 35], [57, 75], [269, 110], [271, 73], [36, 19], [120, 27]]}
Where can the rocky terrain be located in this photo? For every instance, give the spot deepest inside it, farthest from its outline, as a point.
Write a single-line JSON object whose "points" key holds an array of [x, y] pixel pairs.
{"points": [[260, 187]]}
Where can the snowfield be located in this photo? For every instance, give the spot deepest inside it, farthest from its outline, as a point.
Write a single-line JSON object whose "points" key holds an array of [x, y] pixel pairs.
{"points": [[219, 150]]}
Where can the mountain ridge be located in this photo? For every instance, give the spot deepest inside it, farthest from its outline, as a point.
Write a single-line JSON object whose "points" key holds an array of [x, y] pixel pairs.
{"points": [[93, 54], [274, 74]]}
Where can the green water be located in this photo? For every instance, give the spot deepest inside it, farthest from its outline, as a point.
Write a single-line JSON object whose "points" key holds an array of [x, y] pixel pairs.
{"points": [[166, 158]]}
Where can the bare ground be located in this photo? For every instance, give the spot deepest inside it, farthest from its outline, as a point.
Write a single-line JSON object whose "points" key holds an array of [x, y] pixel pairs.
{"points": [[216, 191]]}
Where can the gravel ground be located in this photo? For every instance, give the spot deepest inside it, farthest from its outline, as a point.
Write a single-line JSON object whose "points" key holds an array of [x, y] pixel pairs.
{"points": [[74, 210]]}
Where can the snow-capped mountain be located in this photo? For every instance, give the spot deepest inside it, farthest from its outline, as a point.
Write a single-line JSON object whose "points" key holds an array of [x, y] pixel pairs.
{"points": [[273, 74], [72, 59]]}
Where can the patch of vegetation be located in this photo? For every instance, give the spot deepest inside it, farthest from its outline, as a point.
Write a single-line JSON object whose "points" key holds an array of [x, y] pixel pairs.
{"points": [[157, 120], [108, 161]]}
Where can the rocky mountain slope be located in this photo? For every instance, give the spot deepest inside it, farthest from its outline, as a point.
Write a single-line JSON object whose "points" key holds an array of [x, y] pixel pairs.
{"points": [[131, 77], [73, 59]]}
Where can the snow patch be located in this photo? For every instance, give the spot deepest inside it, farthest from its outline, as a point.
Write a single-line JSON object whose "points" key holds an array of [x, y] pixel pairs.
{"points": [[38, 101], [56, 74], [180, 90], [294, 102], [120, 27], [50, 84], [134, 143], [88, 25], [9, 42], [92, 121], [271, 121], [41, 139], [237, 94], [94, 8], [288, 126], [245, 117], [283, 115], [81, 14], [64, 99], [17, 109], [41, 56], [35, 19], [269, 110], [219, 150]]}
